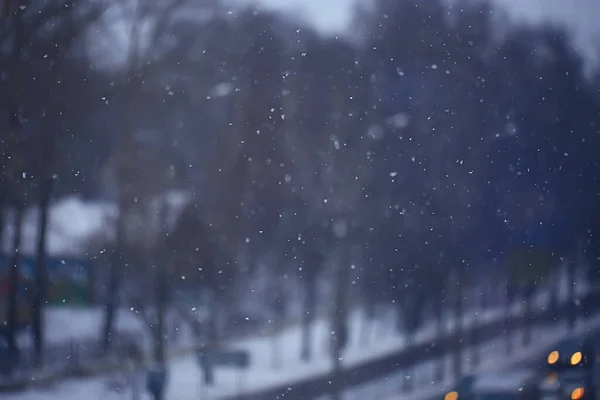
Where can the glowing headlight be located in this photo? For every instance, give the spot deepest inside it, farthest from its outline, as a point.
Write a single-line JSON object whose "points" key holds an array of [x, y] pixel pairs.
{"points": [[577, 394], [553, 357], [576, 358], [451, 396]]}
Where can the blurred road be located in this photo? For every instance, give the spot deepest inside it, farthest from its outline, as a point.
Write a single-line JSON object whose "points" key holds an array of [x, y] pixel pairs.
{"points": [[536, 363], [539, 363]]}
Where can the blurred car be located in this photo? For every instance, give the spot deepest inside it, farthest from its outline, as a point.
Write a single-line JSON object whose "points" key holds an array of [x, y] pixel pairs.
{"points": [[568, 354], [573, 364], [517, 385], [571, 384]]}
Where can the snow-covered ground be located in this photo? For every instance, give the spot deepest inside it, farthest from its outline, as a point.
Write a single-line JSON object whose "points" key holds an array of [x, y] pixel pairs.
{"points": [[275, 361], [83, 322], [493, 359], [274, 357], [67, 323], [266, 370]]}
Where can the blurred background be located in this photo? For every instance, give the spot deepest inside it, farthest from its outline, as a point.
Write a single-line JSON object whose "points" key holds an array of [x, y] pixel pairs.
{"points": [[230, 199]]}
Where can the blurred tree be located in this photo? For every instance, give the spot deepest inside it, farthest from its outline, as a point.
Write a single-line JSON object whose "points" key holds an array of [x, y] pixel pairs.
{"points": [[27, 29], [527, 266], [435, 152], [202, 265], [262, 165], [13, 170], [18, 187], [130, 169], [312, 248], [61, 75]]}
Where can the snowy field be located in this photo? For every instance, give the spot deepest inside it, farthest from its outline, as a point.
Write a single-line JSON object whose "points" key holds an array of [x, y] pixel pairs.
{"points": [[274, 357], [186, 383], [83, 322], [67, 323], [275, 361]]}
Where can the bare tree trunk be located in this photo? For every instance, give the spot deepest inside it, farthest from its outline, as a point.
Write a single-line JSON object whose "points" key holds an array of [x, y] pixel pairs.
{"points": [[527, 315], [279, 315], [308, 316], [92, 278], [162, 290], [3, 209], [13, 304], [212, 334], [340, 323], [123, 177], [41, 272], [439, 315], [554, 303], [458, 349], [572, 307], [475, 354], [14, 121], [508, 318], [161, 304], [114, 282]]}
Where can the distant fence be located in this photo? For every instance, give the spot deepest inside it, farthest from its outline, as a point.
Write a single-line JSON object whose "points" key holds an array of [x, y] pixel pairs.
{"points": [[79, 357], [368, 371]]}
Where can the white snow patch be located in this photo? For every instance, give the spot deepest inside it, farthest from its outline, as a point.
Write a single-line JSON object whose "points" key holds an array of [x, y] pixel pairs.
{"points": [[222, 89], [73, 222]]}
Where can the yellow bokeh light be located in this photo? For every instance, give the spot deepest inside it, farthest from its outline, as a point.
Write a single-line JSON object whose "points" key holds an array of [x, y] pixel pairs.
{"points": [[576, 358], [577, 394], [451, 396], [553, 357]]}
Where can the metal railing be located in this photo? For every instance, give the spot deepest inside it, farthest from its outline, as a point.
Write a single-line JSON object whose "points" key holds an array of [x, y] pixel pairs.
{"points": [[371, 370]]}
